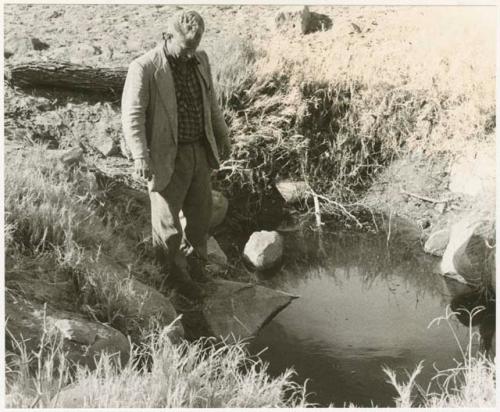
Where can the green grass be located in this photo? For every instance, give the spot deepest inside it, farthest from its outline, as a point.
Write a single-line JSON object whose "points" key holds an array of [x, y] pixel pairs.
{"points": [[160, 374]]}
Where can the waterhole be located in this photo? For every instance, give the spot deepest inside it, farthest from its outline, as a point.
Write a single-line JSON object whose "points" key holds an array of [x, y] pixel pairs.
{"points": [[365, 303]]}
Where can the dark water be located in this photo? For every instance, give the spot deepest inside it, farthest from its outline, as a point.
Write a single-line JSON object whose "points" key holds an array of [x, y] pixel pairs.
{"points": [[361, 306]]}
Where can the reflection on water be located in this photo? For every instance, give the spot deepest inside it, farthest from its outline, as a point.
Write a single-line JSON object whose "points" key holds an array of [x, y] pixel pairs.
{"points": [[361, 307]]}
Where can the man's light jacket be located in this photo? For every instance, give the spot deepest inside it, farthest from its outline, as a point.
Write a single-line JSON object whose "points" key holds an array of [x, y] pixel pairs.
{"points": [[149, 114]]}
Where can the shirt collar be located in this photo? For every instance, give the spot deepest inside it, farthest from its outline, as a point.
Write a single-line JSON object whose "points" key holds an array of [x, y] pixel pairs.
{"points": [[174, 61]]}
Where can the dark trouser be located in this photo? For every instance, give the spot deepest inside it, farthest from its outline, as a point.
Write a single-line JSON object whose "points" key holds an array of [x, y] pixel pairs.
{"points": [[189, 190]]}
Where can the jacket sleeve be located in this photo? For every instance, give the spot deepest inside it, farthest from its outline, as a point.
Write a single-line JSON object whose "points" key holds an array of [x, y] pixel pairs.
{"points": [[221, 131], [135, 100]]}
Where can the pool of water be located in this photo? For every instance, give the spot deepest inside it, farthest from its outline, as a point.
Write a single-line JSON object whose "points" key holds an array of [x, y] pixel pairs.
{"points": [[363, 305]]}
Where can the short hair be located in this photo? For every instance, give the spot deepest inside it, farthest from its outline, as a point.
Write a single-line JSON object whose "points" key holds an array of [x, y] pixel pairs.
{"points": [[188, 23]]}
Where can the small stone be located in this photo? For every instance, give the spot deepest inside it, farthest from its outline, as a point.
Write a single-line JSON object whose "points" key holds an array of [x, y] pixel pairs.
{"points": [[84, 51], [264, 249], [105, 145], [292, 191], [440, 207], [356, 27], [72, 156], [23, 45], [56, 14], [425, 223], [38, 44]]}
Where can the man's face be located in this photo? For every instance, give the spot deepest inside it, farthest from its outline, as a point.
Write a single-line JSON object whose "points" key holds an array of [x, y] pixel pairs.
{"points": [[181, 47]]}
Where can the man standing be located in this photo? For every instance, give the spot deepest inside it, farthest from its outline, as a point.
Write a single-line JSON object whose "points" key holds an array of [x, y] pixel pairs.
{"points": [[176, 133]]}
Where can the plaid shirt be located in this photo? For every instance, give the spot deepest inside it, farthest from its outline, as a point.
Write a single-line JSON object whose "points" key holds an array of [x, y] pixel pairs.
{"points": [[189, 99]]}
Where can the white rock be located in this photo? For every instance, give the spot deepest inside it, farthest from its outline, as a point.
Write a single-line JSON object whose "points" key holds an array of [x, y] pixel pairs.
{"points": [[437, 242], [105, 145], [264, 249], [292, 191], [474, 174], [82, 340], [466, 255], [440, 207]]}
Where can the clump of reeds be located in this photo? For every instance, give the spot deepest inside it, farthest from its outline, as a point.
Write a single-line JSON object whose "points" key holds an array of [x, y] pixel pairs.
{"points": [[470, 384], [335, 136], [200, 374]]}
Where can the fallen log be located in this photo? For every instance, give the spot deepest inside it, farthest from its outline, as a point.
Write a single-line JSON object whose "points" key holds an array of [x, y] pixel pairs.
{"points": [[62, 75]]}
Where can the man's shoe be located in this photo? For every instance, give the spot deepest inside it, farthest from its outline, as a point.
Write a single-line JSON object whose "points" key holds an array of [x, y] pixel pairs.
{"points": [[189, 289], [183, 284], [198, 271]]}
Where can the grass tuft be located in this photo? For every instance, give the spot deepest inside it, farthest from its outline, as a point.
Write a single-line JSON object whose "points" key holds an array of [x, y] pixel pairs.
{"points": [[471, 383], [160, 374]]}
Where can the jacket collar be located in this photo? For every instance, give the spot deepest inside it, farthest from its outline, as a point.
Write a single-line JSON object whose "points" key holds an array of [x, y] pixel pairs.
{"points": [[160, 60]]}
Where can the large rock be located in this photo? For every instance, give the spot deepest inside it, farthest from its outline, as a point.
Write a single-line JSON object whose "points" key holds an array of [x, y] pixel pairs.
{"points": [[150, 304], [466, 255], [474, 173], [296, 18], [264, 249], [82, 340], [301, 19], [144, 303], [234, 309], [220, 205], [22, 45], [292, 191], [217, 259], [219, 208], [437, 242]]}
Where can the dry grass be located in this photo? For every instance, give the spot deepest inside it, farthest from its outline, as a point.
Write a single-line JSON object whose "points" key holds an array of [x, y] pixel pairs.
{"points": [[59, 225], [471, 383], [332, 108], [335, 111], [160, 374]]}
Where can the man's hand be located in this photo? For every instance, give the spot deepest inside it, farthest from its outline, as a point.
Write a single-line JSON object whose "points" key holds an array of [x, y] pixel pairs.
{"points": [[143, 168]]}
